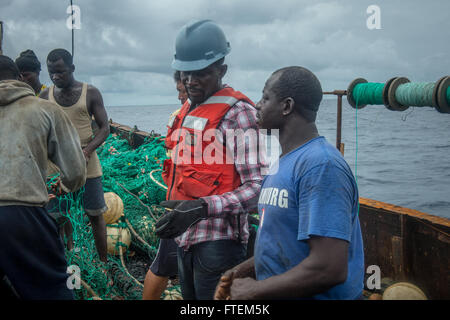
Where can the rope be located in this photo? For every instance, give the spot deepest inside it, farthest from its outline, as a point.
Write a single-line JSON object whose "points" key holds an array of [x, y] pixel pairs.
{"points": [[93, 294], [123, 262], [417, 94], [368, 93], [136, 234], [129, 192], [155, 181], [412, 94], [126, 173], [356, 146], [88, 288]]}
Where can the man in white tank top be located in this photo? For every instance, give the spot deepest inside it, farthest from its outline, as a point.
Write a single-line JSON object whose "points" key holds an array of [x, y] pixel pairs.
{"points": [[82, 102]]}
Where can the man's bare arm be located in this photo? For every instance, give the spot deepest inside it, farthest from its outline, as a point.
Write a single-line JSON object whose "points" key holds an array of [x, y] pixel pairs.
{"points": [[324, 268], [98, 111]]}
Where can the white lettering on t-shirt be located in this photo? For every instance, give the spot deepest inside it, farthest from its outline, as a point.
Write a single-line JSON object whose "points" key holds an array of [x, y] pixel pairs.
{"points": [[283, 198], [274, 197]]}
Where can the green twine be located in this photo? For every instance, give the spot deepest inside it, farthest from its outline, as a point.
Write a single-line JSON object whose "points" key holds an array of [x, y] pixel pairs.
{"points": [[368, 93], [356, 146], [416, 94], [129, 167]]}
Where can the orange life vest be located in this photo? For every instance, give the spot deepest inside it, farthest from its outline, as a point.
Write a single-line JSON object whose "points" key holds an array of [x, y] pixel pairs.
{"points": [[200, 165]]}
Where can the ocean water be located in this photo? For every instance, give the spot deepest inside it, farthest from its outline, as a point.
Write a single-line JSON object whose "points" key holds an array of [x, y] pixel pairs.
{"points": [[402, 158]]}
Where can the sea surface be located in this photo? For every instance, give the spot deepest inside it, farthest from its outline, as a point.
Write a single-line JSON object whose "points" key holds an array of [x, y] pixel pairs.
{"points": [[402, 158]]}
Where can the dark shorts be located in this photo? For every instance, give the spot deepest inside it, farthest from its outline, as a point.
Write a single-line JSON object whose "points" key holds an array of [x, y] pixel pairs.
{"points": [[93, 199], [201, 267], [32, 254], [165, 263]]}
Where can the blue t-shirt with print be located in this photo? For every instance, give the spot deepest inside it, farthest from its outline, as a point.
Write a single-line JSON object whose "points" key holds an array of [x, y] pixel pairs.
{"points": [[312, 191]]}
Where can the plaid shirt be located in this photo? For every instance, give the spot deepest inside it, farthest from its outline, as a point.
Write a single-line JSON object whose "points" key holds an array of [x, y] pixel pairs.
{"points": [[228, 211]]}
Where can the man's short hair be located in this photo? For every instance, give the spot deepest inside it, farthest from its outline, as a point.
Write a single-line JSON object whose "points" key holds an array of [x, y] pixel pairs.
{"points": [[8, 68], [27, 61], [303, 87], [57, 54]]}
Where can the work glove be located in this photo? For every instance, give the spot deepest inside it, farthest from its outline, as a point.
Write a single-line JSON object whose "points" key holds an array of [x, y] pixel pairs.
{"points": [[185, 213]]}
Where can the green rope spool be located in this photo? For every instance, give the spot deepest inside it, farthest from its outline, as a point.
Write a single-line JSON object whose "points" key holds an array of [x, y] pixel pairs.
{"points": [[398, 94], [402, 94], [368, 93], [415, 94], [361, 93]]}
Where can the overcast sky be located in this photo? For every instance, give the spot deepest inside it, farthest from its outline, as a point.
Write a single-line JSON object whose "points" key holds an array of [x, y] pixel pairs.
{"points": [[125, 48]]}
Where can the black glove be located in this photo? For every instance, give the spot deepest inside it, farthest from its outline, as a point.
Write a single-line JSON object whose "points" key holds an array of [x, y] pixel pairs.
{"points": [[185, 213]]}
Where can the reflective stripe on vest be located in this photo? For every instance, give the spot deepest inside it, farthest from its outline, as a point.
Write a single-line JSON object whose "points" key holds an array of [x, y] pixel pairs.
{"points": [[195, 123], [221, 99]]}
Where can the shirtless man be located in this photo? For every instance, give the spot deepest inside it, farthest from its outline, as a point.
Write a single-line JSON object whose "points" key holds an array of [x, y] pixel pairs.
{"points": [[82, 102]]}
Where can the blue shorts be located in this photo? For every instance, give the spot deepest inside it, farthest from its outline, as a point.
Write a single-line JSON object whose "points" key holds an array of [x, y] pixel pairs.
{"points": [[32, 254]]}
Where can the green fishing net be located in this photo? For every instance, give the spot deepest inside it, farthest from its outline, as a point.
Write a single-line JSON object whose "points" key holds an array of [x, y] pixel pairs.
{"points": [[134, 175]]}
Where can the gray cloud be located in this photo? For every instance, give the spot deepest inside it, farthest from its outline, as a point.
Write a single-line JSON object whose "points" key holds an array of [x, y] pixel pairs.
{"points": [[125, 48]]}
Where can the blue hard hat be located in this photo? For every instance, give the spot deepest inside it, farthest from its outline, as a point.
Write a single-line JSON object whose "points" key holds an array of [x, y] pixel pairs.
{"points": [[198, 45]]}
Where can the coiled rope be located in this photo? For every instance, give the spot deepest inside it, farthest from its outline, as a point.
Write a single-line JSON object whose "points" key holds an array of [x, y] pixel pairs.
{"points": [[416, 94], [368, 93]]}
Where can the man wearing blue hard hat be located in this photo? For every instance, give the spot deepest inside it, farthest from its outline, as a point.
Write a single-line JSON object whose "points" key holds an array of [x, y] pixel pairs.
{"points": [[208, 197]]}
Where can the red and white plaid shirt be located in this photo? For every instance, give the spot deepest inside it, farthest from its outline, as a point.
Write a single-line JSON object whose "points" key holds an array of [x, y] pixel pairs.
{"points": [[228, 212]]}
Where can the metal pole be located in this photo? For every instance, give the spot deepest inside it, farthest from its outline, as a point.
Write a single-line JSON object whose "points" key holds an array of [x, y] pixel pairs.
{"points": [[339, 122], [1, 37], [71, 8], [339, 94]]}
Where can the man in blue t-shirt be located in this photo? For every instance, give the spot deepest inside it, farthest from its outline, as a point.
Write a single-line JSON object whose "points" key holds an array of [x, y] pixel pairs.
{"points": [[309, 242]]}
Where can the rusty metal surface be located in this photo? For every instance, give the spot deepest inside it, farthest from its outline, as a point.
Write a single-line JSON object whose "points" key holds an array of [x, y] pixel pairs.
{"points": [[339, 94], [339, 123]]}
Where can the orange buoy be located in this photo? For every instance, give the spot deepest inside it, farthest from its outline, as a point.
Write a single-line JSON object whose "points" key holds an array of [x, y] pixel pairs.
{"points": [[115, 208], [403, 291], [115, 240]]}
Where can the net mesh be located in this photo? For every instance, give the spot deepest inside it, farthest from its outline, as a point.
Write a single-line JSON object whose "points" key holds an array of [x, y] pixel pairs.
{"points": [[126, 172]]}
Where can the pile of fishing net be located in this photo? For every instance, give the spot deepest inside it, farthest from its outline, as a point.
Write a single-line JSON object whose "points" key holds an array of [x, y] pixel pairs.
{"points": [[135, 176]]}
